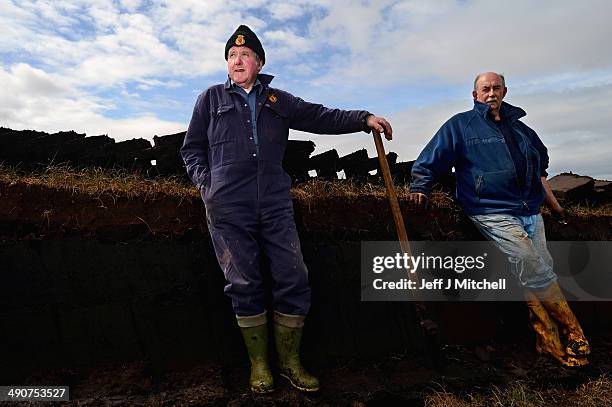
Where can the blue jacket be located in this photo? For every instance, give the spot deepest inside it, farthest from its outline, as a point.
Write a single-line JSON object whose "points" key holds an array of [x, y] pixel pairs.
{"points": [[485, 173], [219, 150]]}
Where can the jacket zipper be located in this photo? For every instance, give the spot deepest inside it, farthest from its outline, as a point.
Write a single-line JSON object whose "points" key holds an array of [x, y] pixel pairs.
{"points": [[511, 160], [518, 186], [478, 184]]}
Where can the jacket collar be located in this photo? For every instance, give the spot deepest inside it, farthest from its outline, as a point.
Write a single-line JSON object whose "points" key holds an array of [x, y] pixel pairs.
{"points": [[263, 78], [507, 111]]}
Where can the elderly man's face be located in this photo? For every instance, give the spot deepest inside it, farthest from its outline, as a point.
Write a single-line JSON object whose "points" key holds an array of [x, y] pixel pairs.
{"points": [[242, 65], [490, 90]]}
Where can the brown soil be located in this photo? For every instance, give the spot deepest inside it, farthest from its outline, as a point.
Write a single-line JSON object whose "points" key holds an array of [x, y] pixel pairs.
{"points": [[38, 211]]}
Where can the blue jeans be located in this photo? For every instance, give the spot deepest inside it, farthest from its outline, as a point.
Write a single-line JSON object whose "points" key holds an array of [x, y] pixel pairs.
{"points": [[523, 239]]}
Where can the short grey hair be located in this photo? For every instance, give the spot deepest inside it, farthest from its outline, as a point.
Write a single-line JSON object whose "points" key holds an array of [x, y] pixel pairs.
{"points": [[501, 75], [258, 59]]}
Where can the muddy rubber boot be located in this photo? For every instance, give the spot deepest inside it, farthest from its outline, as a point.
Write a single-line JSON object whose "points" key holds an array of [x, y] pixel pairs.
{"points": [[547, 333], [558, 308], [288, 336], [255, 335]]}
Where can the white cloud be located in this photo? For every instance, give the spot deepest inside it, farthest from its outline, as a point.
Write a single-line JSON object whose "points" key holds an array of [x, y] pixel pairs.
{"points": [[37, 100], [146, 84], [32, 81], [285, 11], [382, 40], [286, 45], [412, 41], [350, 25], [131, 5]]}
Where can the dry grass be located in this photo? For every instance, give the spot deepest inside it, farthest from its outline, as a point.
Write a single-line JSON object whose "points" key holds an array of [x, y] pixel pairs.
{"points": [[97, 181], [94, 181], [594, 393], [343, 189], [591, 210], [445, 399], [349, 190], [515, 394]]}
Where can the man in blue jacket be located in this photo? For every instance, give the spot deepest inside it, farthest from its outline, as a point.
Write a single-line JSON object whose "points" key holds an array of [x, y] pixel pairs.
{"points": [[500, 168], [233, 152]]}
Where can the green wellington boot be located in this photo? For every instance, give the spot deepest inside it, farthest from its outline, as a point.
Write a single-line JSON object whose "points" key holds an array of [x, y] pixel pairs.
{"points": [[256, 341], [288, 336]]}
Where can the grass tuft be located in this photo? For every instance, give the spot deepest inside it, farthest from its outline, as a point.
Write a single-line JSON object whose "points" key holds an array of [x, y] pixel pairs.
{"points": [[594, 393]]}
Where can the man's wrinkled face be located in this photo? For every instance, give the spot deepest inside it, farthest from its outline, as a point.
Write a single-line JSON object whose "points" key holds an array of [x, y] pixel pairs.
{"points": [[490, 89], [242, 65]]}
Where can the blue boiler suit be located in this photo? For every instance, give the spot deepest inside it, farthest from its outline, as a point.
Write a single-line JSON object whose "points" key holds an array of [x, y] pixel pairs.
{"points": [[246, 191]]}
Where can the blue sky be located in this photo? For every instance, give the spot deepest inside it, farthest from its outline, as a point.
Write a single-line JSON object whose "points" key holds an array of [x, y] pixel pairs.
{"points": [[133, 68]]}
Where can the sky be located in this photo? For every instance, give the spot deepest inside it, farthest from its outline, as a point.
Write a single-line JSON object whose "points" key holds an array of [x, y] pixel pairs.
{"points": [[133, 68]]}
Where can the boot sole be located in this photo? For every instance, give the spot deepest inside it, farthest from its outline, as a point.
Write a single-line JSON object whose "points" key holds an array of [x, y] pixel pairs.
{"points": [[306, 389], [578, 348], [575, 362], [258, 391]]}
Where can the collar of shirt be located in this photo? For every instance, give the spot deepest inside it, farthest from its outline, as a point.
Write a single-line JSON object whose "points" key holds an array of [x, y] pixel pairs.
{"points": [[256, 86], [499, 122]]}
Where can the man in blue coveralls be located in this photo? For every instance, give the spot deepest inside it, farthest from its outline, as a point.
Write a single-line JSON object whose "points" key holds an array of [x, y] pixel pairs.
{"points": [[233, 152], [500, 167]]}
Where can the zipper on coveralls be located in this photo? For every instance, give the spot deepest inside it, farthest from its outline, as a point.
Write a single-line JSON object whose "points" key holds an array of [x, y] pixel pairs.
{"points": [[258, 108]]}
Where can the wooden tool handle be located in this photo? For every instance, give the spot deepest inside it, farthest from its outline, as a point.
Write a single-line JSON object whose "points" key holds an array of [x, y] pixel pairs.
{"points": [[428, 326], [393, 201]]}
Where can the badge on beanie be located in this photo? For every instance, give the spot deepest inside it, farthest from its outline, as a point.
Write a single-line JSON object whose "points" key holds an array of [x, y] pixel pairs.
{"points": [[240, 39]]}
